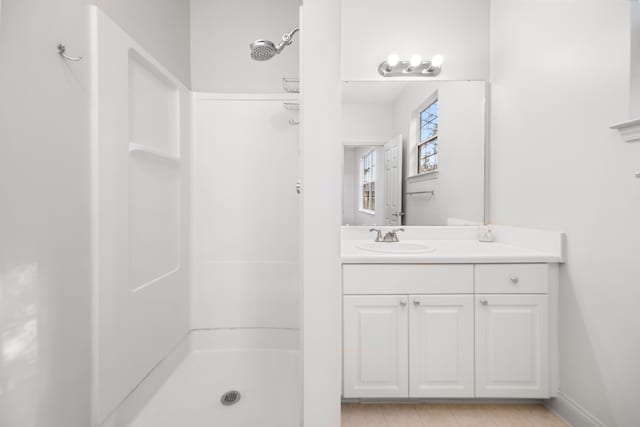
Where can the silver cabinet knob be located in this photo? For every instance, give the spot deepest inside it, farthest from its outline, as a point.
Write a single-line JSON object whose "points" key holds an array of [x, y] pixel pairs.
{"points": [[298, 187], [403, 302], [484, 301], [416, 302], [514, 279], [637, 174]]}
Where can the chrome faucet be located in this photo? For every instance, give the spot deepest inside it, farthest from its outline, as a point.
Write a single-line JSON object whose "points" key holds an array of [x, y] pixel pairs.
{"points": [[392, 236], [389, 237]]}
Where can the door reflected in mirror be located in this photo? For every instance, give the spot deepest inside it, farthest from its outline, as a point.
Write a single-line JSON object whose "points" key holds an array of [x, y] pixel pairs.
{"points": [[414, 153]]}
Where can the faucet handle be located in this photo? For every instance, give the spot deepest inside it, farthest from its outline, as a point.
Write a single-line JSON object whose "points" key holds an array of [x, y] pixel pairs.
{"points": [[378, 233], [395, 230]]}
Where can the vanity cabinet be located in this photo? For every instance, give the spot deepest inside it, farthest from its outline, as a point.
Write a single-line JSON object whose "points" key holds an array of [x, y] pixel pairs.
{"points": [[415, 341]]}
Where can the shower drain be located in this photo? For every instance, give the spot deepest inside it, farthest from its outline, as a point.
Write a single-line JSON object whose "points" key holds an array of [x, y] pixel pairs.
{"points": [[230, 398]]}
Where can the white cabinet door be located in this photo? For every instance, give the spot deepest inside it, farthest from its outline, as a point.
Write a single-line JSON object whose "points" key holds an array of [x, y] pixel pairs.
{"points": [[375, 346], [441, 346], [512, 340]]}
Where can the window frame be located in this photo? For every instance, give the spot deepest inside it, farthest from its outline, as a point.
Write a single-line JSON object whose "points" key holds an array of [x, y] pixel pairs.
{"points": [[433, 139], [415, 140], [362, 181]]}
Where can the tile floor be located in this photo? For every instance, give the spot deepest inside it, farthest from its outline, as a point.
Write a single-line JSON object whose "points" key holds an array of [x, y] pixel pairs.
{"points": [[448, 415]]}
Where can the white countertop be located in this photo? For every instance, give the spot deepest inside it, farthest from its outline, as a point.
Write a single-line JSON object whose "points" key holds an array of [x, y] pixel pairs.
{"points": [[448, 251]]}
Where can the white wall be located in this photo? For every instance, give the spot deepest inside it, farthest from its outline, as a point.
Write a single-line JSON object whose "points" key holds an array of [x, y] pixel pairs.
{"points": [[556, 164], [457, 29], [366, 123], [459, 183], [221, 32], [634, 101], [245, 214], [321, 154], [45, 275], [362, 124], [160, 26]]}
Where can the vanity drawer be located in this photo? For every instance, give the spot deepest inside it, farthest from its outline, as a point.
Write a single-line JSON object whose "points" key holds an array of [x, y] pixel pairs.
{"points": [[385, 279], [511, 278]]}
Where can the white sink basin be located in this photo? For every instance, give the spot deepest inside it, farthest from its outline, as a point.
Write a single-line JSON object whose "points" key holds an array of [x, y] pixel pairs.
{"points": [[396, 248]]}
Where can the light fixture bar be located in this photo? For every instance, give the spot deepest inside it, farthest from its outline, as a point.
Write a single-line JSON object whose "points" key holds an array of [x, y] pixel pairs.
{"points": [[414, 68]]}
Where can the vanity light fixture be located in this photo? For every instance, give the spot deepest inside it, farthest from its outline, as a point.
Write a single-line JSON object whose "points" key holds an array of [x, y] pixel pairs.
{"points": [[392, 61], [415, 67]]}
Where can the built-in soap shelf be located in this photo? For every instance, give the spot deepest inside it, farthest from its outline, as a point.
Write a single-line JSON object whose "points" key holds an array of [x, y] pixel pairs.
{"points": [[146, 150], [629, 130], [291, 85]]}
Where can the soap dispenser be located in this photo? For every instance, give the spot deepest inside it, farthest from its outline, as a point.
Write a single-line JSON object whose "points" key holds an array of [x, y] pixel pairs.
{"points": [[485, 234]]}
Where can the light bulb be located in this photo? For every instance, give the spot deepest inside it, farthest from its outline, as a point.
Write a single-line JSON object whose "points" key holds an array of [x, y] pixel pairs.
{"points": [[393, 60], [415, 60], [437, 61]]}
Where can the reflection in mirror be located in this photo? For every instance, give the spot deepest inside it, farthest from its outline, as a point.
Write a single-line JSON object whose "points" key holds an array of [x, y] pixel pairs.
{"points": [[414, 153]]}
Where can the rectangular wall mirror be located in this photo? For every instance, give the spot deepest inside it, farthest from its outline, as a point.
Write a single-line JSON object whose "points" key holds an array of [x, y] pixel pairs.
{"points": [[414, 152]]}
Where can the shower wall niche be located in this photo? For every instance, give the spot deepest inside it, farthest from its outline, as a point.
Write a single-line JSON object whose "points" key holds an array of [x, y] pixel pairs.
{"points": [[154, 174]]}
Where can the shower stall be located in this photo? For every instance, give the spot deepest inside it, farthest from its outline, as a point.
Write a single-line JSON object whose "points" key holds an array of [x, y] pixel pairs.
{"points": [[197, 243]]}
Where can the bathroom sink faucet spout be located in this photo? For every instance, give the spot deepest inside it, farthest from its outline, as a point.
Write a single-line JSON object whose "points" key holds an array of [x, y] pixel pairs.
{"points": [[392, 236]]}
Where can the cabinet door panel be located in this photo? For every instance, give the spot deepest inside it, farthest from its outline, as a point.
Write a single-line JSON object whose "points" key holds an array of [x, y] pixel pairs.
{"points": [[441, 346], [512, 346], [375, 346]]}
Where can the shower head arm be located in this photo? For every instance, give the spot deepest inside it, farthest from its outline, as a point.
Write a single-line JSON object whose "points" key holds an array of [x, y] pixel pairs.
{"points": [[287, 39]]}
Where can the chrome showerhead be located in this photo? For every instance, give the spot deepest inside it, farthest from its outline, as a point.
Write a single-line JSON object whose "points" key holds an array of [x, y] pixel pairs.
{"points": [[263, 50]]}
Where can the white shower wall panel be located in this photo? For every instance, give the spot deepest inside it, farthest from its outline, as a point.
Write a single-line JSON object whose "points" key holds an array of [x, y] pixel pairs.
{"points": [[245, 213], [142, 133]]}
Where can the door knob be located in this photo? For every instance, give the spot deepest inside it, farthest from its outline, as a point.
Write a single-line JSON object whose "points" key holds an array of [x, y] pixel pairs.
{"points": [[514, 279], [403, 302], [484, 301], [416, 302]]}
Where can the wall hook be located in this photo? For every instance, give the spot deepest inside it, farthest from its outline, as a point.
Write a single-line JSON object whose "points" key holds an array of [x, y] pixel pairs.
{"points": [[62, 49]]}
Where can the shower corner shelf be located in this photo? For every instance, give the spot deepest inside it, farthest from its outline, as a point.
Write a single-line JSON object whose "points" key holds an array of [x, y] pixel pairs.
{"points": [[291, 85], [629, 130], [144, 149]]}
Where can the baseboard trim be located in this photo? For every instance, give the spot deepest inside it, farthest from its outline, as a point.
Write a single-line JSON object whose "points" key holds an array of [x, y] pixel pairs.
{"points": [[452, 401], [572, 413]]}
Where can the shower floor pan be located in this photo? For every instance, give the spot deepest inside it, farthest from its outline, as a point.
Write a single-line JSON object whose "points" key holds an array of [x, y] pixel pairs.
{"points": [[267, 380]]}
